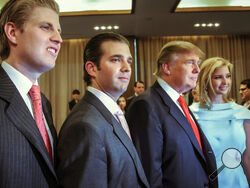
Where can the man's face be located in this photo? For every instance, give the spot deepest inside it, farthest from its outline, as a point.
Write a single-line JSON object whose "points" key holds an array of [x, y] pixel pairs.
{"points": [[139, 89], [76, 97], [183, 71], [39, 43], [244, 92], [115, 68]]}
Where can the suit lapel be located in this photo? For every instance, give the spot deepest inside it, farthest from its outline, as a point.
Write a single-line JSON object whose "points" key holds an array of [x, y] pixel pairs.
{"points": [[119, 132], [48, 116], [47, 113], [179, 117], [19, 114]]}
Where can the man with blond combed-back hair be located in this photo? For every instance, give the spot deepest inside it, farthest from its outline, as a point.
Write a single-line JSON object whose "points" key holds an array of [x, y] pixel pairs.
{"points": [[30, 39], [173, 150]]}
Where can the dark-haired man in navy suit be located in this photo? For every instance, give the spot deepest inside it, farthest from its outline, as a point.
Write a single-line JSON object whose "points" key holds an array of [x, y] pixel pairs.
{"points": [[29, 44], [173, 154]]}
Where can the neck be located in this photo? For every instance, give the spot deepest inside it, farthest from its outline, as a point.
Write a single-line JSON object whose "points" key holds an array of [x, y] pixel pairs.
{"points": [[99, 87], [217, 99], [26, 71]]}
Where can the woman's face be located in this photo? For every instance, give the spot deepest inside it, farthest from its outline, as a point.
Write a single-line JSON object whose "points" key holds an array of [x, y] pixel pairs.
{"points": [[122, 102], [221, 81]]}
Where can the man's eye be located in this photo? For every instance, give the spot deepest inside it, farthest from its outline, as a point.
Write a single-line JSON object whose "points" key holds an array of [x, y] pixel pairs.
{"points": [[45, 27], [115, 59], [130, 62]]}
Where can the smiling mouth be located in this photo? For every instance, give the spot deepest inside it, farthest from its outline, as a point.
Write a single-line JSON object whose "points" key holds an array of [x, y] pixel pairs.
{"points": [[53, 51], [223, 88]]}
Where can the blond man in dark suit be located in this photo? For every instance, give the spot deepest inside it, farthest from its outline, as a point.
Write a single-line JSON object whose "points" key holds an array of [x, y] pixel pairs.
{"points": [[29, 44]]}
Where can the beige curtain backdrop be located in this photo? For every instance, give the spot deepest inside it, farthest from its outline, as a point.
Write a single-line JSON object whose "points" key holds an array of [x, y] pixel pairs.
{"points": [[67, 75]]}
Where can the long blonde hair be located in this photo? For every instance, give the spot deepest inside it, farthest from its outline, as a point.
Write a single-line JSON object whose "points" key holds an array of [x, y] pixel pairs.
{"points": [[205, 79]]}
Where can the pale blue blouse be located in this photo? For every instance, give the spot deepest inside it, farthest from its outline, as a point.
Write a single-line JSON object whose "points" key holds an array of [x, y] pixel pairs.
{"points": [[223, 127]]}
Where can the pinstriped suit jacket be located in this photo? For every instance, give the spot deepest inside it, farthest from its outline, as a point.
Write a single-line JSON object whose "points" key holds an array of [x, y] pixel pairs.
{"points": [[24, 160]]}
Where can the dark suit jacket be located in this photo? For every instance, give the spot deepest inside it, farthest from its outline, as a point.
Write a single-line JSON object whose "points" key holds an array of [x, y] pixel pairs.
{"points": [[166, 144], [129, 100], [72, 103], [24, 160], [95, 152]]}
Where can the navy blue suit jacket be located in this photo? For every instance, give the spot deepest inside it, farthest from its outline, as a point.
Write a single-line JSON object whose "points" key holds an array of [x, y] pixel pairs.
{"points": [[94, 151], [166, 144], [24, 160]]}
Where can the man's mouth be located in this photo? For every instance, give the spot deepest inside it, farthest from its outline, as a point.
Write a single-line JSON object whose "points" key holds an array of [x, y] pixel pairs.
{"points": [[53, 51], [123, 78]]}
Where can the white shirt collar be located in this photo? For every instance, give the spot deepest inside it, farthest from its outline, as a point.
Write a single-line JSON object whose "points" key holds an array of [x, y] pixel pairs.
{"points": [[108, 102], [173, 94], [22, 83]]}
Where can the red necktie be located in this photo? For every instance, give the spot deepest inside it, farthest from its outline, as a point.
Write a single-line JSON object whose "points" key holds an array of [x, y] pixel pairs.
{"points": [[123, 122], [35, 96], [186, 112]]}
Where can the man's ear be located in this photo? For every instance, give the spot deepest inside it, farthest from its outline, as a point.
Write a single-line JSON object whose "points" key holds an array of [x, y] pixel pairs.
{"points": [[11, 32], [91, 68], [134, 89], [166, 68]]}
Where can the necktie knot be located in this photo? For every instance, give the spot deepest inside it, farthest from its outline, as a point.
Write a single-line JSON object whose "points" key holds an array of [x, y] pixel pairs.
{"points": [[118, 113], [120, 117], [34, 93], [181, 100]]}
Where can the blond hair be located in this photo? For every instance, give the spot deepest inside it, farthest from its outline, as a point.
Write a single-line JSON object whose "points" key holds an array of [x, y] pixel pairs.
{"points": [[18, 12], [205, 78], [175, 47]]}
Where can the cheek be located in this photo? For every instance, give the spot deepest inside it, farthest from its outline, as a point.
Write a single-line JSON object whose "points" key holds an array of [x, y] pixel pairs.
{"points": [[214, 83]]}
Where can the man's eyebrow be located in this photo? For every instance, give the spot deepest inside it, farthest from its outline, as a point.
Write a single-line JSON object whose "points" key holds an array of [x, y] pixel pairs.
{"points": [[120, 56], [52, 26], [117, 55]]}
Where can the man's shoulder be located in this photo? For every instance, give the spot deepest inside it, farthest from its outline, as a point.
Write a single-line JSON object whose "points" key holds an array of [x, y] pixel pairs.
{"points": [[72, 101], [131, 97]]}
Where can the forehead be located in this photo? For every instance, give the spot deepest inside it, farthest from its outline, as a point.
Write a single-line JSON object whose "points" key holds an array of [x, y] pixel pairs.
{"points": [[185, 56], [222, 69], [139, 84], [44, 14], [243, 85], [115, 47]]}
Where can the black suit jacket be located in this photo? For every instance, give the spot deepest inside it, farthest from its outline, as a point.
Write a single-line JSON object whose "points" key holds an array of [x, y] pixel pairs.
{"points": [[94, 151], [129, 100], [72, 103], [24, 160], [165, 141]]}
